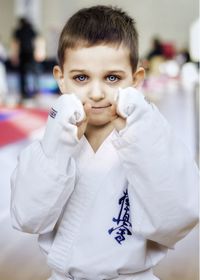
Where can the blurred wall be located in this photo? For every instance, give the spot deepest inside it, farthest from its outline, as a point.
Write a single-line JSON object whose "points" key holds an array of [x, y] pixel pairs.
{"points": [[7, 20], [170, 19]]}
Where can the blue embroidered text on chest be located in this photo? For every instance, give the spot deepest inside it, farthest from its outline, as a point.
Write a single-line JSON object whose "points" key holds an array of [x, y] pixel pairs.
{"points": [[123, 223]]}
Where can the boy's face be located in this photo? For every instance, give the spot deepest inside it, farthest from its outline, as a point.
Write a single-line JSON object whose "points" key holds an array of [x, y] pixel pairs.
{"points": [[94, 74]]}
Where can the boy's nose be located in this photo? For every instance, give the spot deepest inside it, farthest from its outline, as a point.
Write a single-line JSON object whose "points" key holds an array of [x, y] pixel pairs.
{"points": [[96, 93]]}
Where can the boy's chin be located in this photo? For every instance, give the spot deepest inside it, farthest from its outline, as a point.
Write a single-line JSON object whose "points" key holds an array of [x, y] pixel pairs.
{"points": [[98, 122]]}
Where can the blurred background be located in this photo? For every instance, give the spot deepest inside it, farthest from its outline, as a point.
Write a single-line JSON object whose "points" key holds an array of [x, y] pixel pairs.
{"points": [[169, 51]]}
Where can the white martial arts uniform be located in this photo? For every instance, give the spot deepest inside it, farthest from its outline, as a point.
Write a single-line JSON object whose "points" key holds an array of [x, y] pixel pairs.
{"points": [[112, 214]]}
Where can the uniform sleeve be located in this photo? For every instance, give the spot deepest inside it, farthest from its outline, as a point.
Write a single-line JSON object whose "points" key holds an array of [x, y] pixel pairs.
{"points": [[162, 175], [45, 176], [40, 187]]}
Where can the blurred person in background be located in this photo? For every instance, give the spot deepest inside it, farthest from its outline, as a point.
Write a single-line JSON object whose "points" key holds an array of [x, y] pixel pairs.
{"points": [[160, 51], [24, 41], [154, 57], [156, 49]]}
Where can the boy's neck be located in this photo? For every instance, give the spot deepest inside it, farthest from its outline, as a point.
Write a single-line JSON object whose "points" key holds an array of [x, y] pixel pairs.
{"points": [[97, 134]]}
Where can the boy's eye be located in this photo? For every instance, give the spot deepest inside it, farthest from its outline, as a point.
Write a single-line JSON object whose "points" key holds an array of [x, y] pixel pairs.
{"points": [[80, 78], [112, 78]]}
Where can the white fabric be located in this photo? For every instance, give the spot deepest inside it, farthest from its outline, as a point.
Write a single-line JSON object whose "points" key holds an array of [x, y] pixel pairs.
{"points": [[76, 209], [146, 275], [3, 81], [61, 130], [128, 100]]}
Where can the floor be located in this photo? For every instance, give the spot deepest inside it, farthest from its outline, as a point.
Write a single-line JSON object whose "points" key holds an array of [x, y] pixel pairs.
{"points": [[20, 257]]}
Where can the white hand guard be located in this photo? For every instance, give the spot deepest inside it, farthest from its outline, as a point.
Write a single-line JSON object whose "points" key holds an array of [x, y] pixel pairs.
{"points": [[60, 136], [129, 100]]}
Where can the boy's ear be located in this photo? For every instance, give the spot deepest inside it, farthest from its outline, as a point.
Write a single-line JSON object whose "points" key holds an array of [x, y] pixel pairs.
{"points": [[138, 77], [59, 77]]}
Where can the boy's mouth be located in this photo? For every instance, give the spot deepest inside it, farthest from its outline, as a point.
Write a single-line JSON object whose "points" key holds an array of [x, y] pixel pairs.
{"points": [[99, 109]]}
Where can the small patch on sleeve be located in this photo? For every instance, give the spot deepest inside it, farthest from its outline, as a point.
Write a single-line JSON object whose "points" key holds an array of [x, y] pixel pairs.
{"points": [[53, 113]]}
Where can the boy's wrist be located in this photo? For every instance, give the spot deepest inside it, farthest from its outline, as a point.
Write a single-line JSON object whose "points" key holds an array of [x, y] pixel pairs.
{"points": [[119, 123]]}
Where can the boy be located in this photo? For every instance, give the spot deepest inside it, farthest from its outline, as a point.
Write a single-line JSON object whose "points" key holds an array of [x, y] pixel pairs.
{"points": [[109, 188]]}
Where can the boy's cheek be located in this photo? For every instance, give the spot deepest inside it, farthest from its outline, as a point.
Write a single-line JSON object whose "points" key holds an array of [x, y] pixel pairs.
{"points": [[78, 93], [69, 87], [80, 96], [114, 109], [112, 95]]}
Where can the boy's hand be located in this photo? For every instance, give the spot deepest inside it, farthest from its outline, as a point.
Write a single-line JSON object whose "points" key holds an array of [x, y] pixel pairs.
{"points": [[119, 123], [127, 101], [82, 125], [61, 129]]}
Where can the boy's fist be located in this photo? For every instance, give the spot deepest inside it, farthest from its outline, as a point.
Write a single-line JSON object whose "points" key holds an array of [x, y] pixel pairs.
{"points": [[129, 100], [67, 108], [82, 125], [61, 129]]}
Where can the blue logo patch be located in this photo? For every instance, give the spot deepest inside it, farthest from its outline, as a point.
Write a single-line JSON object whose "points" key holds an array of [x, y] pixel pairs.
{"points": [[123, 224]]}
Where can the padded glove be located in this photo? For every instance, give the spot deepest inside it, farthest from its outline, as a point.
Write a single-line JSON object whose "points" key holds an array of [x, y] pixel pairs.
{"points": [[130, 100], [60, 137]]}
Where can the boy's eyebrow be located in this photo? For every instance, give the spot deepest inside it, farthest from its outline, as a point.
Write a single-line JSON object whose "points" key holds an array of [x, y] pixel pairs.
{"points": [[77, 70], [107, 71], [116, 71]]}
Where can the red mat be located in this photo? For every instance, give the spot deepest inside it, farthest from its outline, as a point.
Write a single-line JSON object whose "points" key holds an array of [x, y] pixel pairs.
{"points": [[18, 123]]}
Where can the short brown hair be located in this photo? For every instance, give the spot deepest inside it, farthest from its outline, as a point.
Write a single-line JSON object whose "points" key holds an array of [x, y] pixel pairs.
{"points": [[99, 25]]}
